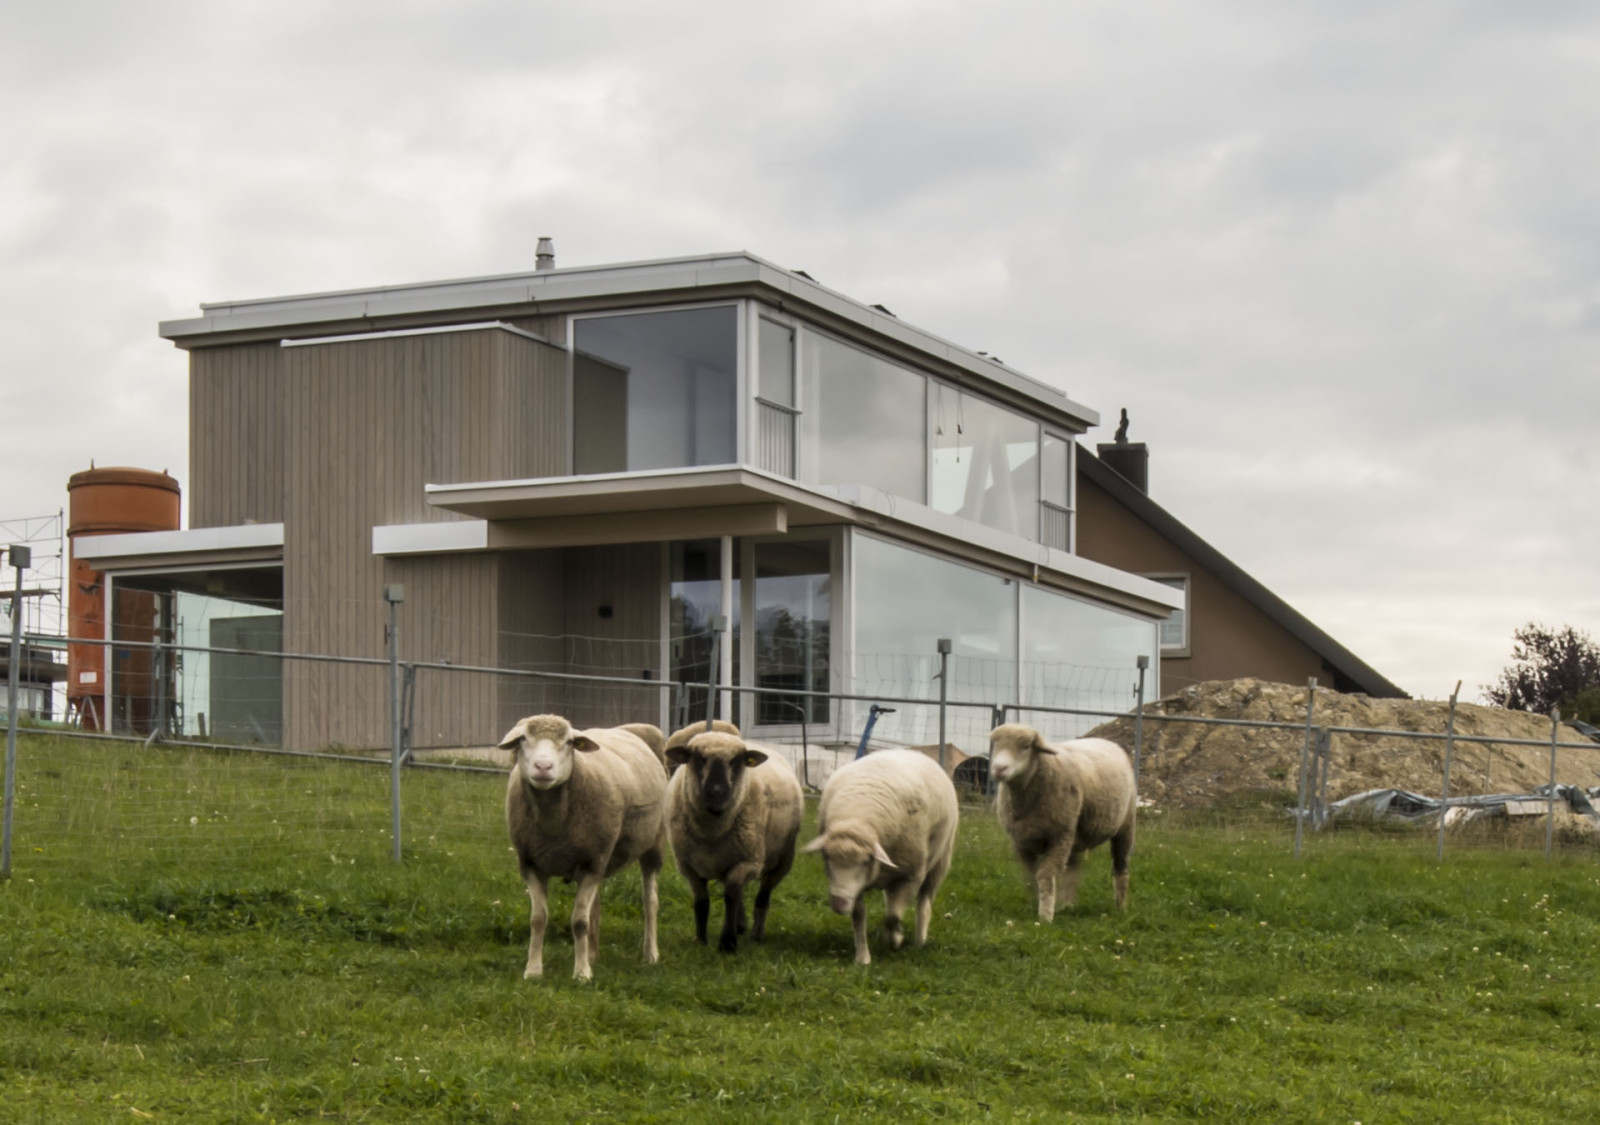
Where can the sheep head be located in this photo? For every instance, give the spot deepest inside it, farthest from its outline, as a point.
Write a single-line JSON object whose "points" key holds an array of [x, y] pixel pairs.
{"points": [[682, 735], [717, 763], [852, 861], [542, 747], [1013, 749]]}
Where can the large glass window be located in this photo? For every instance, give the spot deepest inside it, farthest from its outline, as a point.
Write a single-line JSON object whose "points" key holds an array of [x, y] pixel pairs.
{"points": [[1081, 655], [792, 616], [905, 601], [655, 390], [222, 696], [863, 419], [695, 598], [985, 462]]}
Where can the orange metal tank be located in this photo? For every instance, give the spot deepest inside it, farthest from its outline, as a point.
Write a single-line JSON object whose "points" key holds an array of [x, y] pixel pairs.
{"points": [[105, 502]]}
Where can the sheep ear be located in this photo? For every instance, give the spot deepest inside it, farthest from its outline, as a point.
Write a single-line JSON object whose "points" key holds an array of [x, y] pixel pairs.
{"points": [[512, 740], [1040, 746], [585, 743], [815, 846], [882, 856], [678, 756], [752, 758]]}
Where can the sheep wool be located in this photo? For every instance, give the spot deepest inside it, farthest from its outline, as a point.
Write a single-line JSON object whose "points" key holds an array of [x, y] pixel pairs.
{"points": [[886, 821], [1057, 802], [733, 813], [582, 805]]}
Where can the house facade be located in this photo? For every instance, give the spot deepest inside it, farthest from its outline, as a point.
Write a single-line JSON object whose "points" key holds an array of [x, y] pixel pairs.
{"points": [[578, 471]]}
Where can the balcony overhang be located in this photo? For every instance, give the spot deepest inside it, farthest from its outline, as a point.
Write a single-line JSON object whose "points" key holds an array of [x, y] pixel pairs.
{"points": [[197, 547], [738, 500]]}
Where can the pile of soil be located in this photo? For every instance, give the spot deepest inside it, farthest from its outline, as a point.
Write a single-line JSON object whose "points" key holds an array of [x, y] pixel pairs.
{"points": [[1188, 765]]}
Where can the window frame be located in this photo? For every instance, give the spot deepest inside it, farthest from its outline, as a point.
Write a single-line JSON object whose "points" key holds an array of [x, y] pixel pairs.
{"points": [[1178, 580]]}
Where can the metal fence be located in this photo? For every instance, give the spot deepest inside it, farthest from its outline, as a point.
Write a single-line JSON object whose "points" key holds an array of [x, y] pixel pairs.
{"points": [[310, 782]]}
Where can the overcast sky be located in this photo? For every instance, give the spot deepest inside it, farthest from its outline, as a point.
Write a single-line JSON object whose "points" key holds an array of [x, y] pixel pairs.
{"points": [[1340, 260]]}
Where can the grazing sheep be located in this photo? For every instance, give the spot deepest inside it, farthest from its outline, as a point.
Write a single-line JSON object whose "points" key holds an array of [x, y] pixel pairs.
{"points": [[886, 821], [733, 814], [1057, 802], [581, 805], [651, 736], [682, 735]]}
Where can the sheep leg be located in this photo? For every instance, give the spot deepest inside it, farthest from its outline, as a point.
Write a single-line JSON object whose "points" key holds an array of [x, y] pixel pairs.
{"points": [[540, 914], [582, 906], [732, 915], [702, 904], [594, 928], [652, 905], [1121, 849], [1069, 879], [895, 901], [758, 930], [1056, 862], [858, 922]]}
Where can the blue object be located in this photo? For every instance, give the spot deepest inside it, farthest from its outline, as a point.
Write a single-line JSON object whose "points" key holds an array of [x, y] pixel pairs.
{"points": [[872, 720]]}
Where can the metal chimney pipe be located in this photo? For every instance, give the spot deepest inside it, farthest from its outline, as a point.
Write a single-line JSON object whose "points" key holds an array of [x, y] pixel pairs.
{"points": [[545, 256]]}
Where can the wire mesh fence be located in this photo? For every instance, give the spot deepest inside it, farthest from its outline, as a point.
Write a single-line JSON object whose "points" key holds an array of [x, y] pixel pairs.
{"points": [[215, 750]]}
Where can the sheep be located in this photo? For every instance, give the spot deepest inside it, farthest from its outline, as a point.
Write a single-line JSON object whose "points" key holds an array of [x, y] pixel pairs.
{"points": [[886, 821], [581, 805], [651, 736], [733, 814], [1057, 802], [682, 735]]}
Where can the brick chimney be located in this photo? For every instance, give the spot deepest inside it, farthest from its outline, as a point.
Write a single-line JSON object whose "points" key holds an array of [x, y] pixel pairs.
{"points": [[1129, 458]]}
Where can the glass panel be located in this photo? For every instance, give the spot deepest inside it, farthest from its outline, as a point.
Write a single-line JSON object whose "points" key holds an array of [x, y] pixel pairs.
{"points": [[1081, 655], [904, 602], [776, 376], [1055, 466], [234, 697], [793, 608], [1175, 629], [660, 386], [696, 596], [985, 463], [864, 420]]}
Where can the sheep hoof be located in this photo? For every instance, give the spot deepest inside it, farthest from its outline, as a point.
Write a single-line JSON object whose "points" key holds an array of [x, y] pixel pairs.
{"points": [[533, 972], [583, 976], [728, 943]]}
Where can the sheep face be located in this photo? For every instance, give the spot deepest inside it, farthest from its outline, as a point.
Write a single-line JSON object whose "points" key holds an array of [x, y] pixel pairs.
{"points": [[852, 864], [717, 769], [1013, 751], [541, 750]]}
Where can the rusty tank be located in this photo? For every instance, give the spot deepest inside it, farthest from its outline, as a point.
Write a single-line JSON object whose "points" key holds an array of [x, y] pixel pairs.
{"points": [[113, 501]]}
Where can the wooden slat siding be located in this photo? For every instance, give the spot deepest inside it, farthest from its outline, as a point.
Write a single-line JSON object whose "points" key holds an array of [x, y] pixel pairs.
{"points": [[449, 617], [532, 617], [628, 578], [236, 417], [529, 410], [552, 328]]}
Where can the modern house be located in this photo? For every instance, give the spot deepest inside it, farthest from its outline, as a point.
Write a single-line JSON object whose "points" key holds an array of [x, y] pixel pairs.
{"points": [[1230, 625], [577, 470]]}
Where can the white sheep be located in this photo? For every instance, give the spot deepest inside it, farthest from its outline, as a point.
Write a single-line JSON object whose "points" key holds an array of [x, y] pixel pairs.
{"points": [[651, 736], [581, 805], [886, 821], [733, 814], [1057, 802]]}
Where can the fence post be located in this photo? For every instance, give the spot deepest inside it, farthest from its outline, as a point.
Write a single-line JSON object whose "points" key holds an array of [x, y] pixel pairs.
{"points": [[1449, 748], [1138, 724], [1305, 754], [943, 645], [394, 593], [1550, 807], [21, 559], [1325, 744]]}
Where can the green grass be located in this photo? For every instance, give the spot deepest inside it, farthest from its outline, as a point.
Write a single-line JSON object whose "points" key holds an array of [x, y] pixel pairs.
{"points": [[268, 962]]}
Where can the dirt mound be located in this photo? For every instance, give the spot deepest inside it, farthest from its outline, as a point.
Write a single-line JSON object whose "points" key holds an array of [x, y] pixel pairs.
{"points": [[1192, 764]]}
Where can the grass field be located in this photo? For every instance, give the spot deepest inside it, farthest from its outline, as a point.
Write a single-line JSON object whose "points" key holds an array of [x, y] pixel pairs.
{"points": [[198, 937]]}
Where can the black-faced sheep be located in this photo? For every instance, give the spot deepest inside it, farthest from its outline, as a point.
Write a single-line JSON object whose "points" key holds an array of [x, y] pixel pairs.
{"points": [[886, 821], [733, 814], [1057, 802], [682, 735], [581, 805]]}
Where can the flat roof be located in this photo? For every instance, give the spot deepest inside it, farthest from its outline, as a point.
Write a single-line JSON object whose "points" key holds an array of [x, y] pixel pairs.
{"points": [[588, 283]]}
